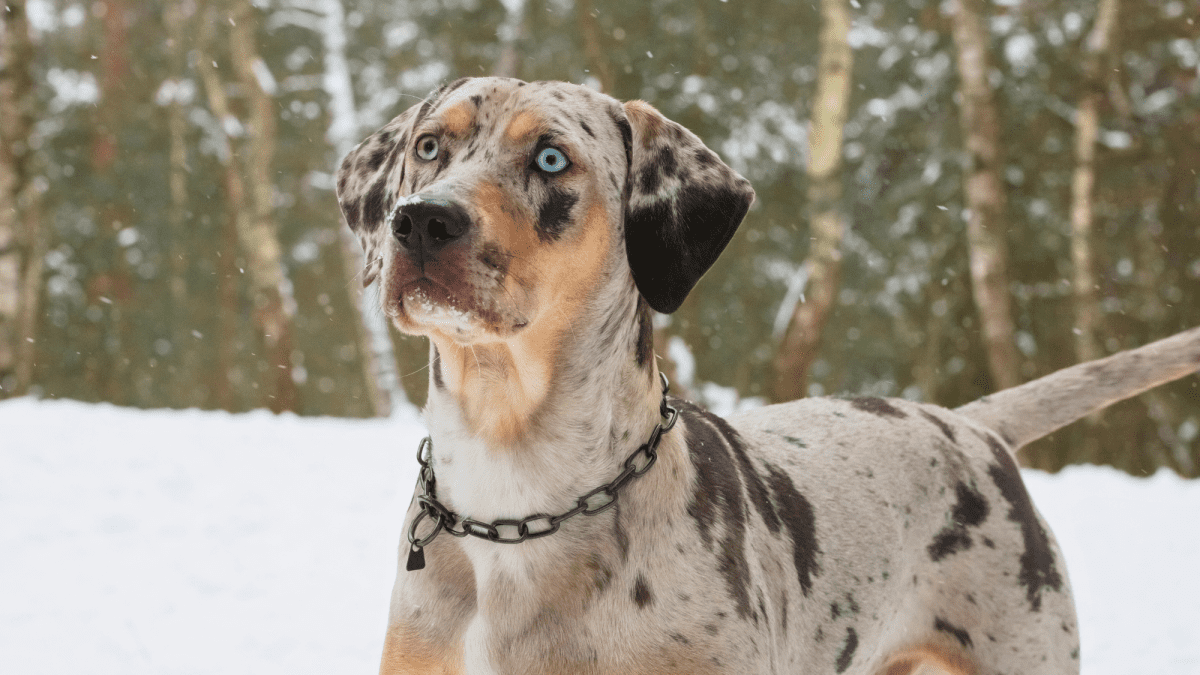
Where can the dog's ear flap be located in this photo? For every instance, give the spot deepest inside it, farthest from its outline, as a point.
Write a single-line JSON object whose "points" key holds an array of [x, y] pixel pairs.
{"points": [[683, 205], [370, 179]]}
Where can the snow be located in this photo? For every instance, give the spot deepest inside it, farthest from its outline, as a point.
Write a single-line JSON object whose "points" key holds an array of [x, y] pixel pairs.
{"points": [[199, 542]]}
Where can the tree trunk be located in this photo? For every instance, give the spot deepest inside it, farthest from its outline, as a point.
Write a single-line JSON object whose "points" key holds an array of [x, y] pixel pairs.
{"points": [[375, 342], [985, 195], [827, 222], [235, 202], [113, 285], [1087, 127], [259, 235], [22, 242], [186, 361]]}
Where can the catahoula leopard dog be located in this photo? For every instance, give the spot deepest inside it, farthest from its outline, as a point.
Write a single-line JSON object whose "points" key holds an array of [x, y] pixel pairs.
{"points": [[529, 230]]}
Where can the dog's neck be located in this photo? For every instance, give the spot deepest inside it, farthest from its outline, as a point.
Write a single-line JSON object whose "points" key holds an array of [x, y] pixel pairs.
{"points": [[529, 425]]}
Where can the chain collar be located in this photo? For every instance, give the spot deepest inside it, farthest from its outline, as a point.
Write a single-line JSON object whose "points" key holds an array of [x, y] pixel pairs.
{"points": [[509, 531]]}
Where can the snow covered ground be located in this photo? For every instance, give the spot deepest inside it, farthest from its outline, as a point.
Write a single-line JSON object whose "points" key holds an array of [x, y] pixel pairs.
{"points": [[139, 542]]}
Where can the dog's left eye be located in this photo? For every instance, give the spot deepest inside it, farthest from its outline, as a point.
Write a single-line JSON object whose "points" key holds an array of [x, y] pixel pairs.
{"points": [[427, 148], [552, 160]]}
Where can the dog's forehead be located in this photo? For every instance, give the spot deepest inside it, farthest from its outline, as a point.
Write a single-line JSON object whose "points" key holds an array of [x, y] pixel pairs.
{"points": [[490, 102]]}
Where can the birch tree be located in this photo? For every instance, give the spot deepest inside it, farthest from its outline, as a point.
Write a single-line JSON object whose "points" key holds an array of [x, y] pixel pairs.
{"points": [[258, 233], [22, 242], [985, 196], [327, 18], [251, 192], [1098, 57], [827, 222]]}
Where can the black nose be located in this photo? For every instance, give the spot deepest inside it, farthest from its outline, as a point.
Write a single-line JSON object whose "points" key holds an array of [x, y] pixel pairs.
{"points": [[426, 226]]}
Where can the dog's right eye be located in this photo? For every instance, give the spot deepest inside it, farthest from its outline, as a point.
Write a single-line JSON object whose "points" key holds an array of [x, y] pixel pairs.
{"points": [[427, 148]]}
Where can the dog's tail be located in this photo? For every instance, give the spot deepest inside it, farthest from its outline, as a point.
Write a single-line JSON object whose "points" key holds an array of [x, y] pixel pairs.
{"points": [[1032, 410]]}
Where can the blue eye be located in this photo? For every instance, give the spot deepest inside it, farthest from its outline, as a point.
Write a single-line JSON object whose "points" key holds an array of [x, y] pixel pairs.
{"points": [[552, 160], [427, 148]]}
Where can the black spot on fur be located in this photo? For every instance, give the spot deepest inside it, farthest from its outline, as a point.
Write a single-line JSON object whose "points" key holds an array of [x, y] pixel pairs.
{"points": [[477, 100], [650, 180], [437, 370], [834, 610], [377, 158], [1038, 569], [948, 541], [350, 208], [555, 213], [970, 510], [645, 338], [718, 493], [586, 129], [877, 406], [797, 514], [680, 639], [704, 157], [754, 483], [641, 593], [949, 433], [963, 637], [847, 655], [372, 206], [666, 162]]}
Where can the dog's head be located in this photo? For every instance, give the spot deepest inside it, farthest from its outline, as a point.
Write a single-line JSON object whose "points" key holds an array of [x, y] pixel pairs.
{"points": [[495, 204]]}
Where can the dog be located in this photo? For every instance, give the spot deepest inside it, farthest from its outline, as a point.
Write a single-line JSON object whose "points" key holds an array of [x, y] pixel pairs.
{"points": [[530, 230]]}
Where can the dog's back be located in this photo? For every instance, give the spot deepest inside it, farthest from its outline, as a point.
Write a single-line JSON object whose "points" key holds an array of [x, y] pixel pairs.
{"points": [[929, 547]]}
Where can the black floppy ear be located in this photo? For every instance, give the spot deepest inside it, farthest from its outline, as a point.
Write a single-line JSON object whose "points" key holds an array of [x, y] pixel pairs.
{"points": [[683, 205]]}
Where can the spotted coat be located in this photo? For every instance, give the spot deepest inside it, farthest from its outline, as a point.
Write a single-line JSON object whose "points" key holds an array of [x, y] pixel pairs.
{"points": [[860, 535]]}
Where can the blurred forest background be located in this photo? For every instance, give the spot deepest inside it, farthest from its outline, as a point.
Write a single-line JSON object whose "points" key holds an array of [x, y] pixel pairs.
{"points": [[954, 196]]}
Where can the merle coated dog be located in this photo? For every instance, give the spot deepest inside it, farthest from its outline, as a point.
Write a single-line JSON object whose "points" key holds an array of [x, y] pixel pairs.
{"points": [[529, 230]]}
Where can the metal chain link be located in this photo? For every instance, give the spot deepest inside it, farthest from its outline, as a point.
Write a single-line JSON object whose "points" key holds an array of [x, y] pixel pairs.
{"points": [[516, 531]]}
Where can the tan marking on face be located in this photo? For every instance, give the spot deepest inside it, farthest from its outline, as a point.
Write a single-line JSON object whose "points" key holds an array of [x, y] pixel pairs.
{"points": [[941, 659], [459, 118], [525, 124], [501, 385], [405, 653], [644, 118]]}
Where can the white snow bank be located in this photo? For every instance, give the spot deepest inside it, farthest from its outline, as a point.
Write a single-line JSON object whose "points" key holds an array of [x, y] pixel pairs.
{"points": [[139, 542]]}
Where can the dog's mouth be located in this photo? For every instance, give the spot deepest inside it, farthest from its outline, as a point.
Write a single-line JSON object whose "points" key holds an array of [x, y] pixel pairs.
{"points": [[424, 305]]}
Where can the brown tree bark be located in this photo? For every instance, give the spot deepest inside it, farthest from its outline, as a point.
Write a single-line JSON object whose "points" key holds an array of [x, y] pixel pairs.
{"points": [[1098, 56], [259, 233], [111, 286], [223, 394], [186, 363], [985, 195], [22, 241], [827, 223]]}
